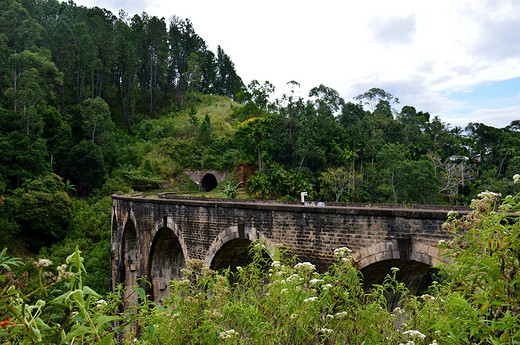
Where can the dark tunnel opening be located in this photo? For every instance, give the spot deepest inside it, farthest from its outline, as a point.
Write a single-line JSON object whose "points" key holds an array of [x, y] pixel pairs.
{"points": [[208, 183]]}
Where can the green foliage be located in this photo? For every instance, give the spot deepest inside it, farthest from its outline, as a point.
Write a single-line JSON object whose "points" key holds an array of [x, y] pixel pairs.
{"points": [[483, 285], [276, 182], [22, 158], [86, 166], [338, 184], [43, 210], [61, 310], [230, 190]]}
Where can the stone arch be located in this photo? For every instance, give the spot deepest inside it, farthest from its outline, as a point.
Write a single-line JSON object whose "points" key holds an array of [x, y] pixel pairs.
{"points": [[129, 260], [414, 261], [208, 182], [236, 238], [393, 250], [166, 260], [167, 222]]}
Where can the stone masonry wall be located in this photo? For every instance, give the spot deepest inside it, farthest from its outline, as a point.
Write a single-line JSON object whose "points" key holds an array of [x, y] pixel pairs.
{"points": [[312, 232]]}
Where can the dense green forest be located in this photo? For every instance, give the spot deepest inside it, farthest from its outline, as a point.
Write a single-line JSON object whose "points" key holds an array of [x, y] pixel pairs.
{"points": [[92, 103]]}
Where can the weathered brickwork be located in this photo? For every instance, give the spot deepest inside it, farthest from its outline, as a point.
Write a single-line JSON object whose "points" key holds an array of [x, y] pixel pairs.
{"points": [[199, 228]]}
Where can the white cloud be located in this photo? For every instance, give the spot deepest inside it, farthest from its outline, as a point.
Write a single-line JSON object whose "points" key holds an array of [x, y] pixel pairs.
{"points": [[498, 118], [389, 31]]}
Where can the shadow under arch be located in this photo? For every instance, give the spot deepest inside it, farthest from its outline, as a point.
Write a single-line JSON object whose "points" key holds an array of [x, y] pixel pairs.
{"points": [[236, 253], [415, 262], [115, 277], [165, 263], [237, 232], [129, 261]]}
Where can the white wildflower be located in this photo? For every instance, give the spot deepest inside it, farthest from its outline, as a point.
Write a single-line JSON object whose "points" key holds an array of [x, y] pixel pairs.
{"points": [[294, 316], [101, 303], [453, 214], [310, 299], [327, 286], [326, 330], [341, 314], [442, 243], [342, 251], [315, 281], [305, 267], [516, 178], [414, 334], [210, 312], [42, 263], [398, 311], [329, 316], [228, 334], [63, 274], [489, 195], [293, 278], [275, 263], [239, 268], [434, 342], [475, 203], [427, 297]]}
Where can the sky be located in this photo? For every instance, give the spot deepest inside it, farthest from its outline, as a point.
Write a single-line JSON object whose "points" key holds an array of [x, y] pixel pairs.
{"points": [[456, 59]]}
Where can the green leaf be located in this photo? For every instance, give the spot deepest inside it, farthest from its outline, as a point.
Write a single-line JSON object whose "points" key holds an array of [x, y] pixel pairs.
{"points": [[76, 332], [107, 339], [34, 333], [87, 290], [105, 318]]}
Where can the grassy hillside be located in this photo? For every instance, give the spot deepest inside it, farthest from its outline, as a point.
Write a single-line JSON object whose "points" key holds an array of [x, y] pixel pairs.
{"points": [[159, 150]]}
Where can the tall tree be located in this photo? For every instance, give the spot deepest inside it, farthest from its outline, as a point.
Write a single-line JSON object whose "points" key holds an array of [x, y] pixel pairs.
{"points": [[227, 83]]}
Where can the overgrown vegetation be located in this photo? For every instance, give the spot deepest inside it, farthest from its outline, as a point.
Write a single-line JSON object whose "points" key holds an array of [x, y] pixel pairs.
{"points": [[289, 303]]}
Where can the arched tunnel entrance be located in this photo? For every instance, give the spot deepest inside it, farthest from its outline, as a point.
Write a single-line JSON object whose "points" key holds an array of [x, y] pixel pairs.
{"points": [[208, 183], [414, 274], [235, 253], [129, 262], [166, 262]]}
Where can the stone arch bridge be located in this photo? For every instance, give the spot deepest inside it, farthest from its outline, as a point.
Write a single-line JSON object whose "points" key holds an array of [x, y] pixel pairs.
{"points": [[154, 237]]}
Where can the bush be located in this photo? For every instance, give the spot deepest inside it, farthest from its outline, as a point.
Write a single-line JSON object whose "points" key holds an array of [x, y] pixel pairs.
{"points": [[43, 210]]}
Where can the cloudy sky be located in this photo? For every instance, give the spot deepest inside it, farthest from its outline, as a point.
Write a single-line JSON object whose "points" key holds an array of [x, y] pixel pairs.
{"points": [[456, 59]]}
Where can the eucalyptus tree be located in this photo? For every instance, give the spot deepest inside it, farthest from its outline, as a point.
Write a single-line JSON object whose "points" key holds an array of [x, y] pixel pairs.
{"points": [[125, 66], [150, 37], [227, 82], [182, 43]]}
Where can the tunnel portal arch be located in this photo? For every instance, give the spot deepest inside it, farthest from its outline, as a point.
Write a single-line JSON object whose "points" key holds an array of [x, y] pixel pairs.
{"points": [[166, 262], [208, 182]]}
